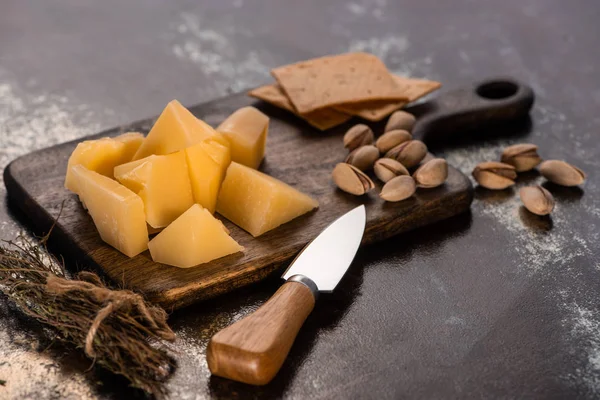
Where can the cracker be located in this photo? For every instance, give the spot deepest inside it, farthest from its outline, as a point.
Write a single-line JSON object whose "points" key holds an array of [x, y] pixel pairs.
{"points": [[328, 81], [378, 110], [321, 119]]}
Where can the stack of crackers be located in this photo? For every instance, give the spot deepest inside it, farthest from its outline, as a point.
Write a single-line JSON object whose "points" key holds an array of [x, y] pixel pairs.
{"points": [[328, 91]]}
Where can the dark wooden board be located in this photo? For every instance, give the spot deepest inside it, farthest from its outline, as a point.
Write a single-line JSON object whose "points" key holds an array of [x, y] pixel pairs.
{"points": [[296, 154]]}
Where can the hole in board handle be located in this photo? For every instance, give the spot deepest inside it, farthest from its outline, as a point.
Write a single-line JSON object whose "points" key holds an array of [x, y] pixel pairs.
{"points": [[497, 90]]}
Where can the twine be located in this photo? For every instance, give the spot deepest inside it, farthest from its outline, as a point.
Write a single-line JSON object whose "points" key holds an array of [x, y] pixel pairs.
{"points": [[111, 301]]}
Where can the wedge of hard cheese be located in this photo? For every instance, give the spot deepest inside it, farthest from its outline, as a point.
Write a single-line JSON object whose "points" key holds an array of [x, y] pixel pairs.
{"points": [[257, 202], [207, 163], [196, 237], [163, 184], [103, 155], [118, 213], [246, 129], [175, 129]]}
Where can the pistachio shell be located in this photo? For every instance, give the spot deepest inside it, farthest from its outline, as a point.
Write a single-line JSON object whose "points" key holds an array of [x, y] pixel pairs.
{"points": [[495, 175], [431, 174], [537, 200], [351, 180], [562, 173], [387, 168], [398, 188], [364, 157], [400, 120], [523, 157], [408, 153], [358, 135], [391, 139]]}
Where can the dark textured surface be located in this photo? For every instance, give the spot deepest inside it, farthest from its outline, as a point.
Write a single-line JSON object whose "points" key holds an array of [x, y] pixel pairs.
{"points": [[296, 154], [496, 303]]}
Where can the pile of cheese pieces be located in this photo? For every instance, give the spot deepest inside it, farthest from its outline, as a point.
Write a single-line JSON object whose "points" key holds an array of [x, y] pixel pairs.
{"points": [[174, 180]]}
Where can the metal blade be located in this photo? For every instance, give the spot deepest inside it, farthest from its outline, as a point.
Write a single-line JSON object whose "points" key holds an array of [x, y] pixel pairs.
{"points": [[326, 259]]}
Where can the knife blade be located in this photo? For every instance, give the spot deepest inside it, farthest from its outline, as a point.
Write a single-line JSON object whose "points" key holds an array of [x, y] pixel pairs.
{"points": [[253, 349]]}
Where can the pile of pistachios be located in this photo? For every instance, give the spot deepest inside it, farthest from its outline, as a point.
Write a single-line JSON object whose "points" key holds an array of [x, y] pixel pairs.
{"points": [[391, 157], [522, 158]]}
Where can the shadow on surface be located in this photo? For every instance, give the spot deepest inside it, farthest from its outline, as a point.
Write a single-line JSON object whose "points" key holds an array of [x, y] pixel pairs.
{"points": [[539, 223], [494, 196], [510, 130], [528, 176], [328, 313], [564, 194]]}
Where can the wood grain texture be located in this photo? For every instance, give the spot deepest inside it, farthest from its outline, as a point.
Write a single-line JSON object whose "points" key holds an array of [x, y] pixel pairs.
{"points": [[253, 349], [296, 153]]}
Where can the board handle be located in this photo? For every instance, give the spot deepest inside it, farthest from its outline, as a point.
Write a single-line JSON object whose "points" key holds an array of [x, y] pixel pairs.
{"points": [[477, 107], [253, 349]]}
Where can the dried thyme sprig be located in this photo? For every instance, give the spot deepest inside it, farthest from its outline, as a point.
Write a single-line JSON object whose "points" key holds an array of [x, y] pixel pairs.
{"points": [[113, 327]]}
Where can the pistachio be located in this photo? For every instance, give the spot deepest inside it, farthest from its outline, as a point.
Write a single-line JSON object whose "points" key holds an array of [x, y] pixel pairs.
{"points": [[494, 175], [351, 179], [537, 199], [400, 120], [387, 168], [431, 174], [408, 153], [391, 139], [398, 188], [364, 157], [562, 173], [523, 157], [358, 135]]}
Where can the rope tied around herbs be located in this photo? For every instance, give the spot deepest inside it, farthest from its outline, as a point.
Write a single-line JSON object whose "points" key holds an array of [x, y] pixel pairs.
{"points": [[89, 284], [116, 328]]}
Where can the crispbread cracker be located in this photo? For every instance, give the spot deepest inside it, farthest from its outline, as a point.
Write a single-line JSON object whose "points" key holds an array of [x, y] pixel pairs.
{"points": [[328, 81], [377, 110], [320, 119]]}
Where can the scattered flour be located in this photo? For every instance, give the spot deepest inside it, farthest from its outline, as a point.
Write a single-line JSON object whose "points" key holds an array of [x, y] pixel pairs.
{"points": [[211, 46], [392, 49], [25, 370], [548, 250], [30, 122], [356, 9], [375, 8], [385, 48], [585, 329]]}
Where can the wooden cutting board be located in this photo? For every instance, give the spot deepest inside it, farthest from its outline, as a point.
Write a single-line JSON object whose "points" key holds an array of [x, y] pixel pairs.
{"points": [[296, 153]]}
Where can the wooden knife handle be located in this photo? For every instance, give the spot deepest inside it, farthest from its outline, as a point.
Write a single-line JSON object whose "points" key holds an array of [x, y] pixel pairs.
{"points": [[476, 107], [253, 349]]}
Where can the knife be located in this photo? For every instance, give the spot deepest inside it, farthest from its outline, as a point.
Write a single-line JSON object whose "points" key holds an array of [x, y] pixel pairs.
{"points": [[253, 349]]}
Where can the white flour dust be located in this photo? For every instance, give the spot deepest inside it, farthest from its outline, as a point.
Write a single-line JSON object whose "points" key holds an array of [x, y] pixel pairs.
{"points": [[392, 49], [31, 122], [211, 45], [28, 373], [547, 251], [585, 328], [375, 8]]}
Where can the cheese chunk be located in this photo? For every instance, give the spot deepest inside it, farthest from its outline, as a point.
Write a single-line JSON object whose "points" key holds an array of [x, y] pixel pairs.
{"points": [[246, 129], [103, 155], [175, 129], [118, 213], [257, 202], [132, 142], [207, 163], [163, 184], [196, 237]]}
